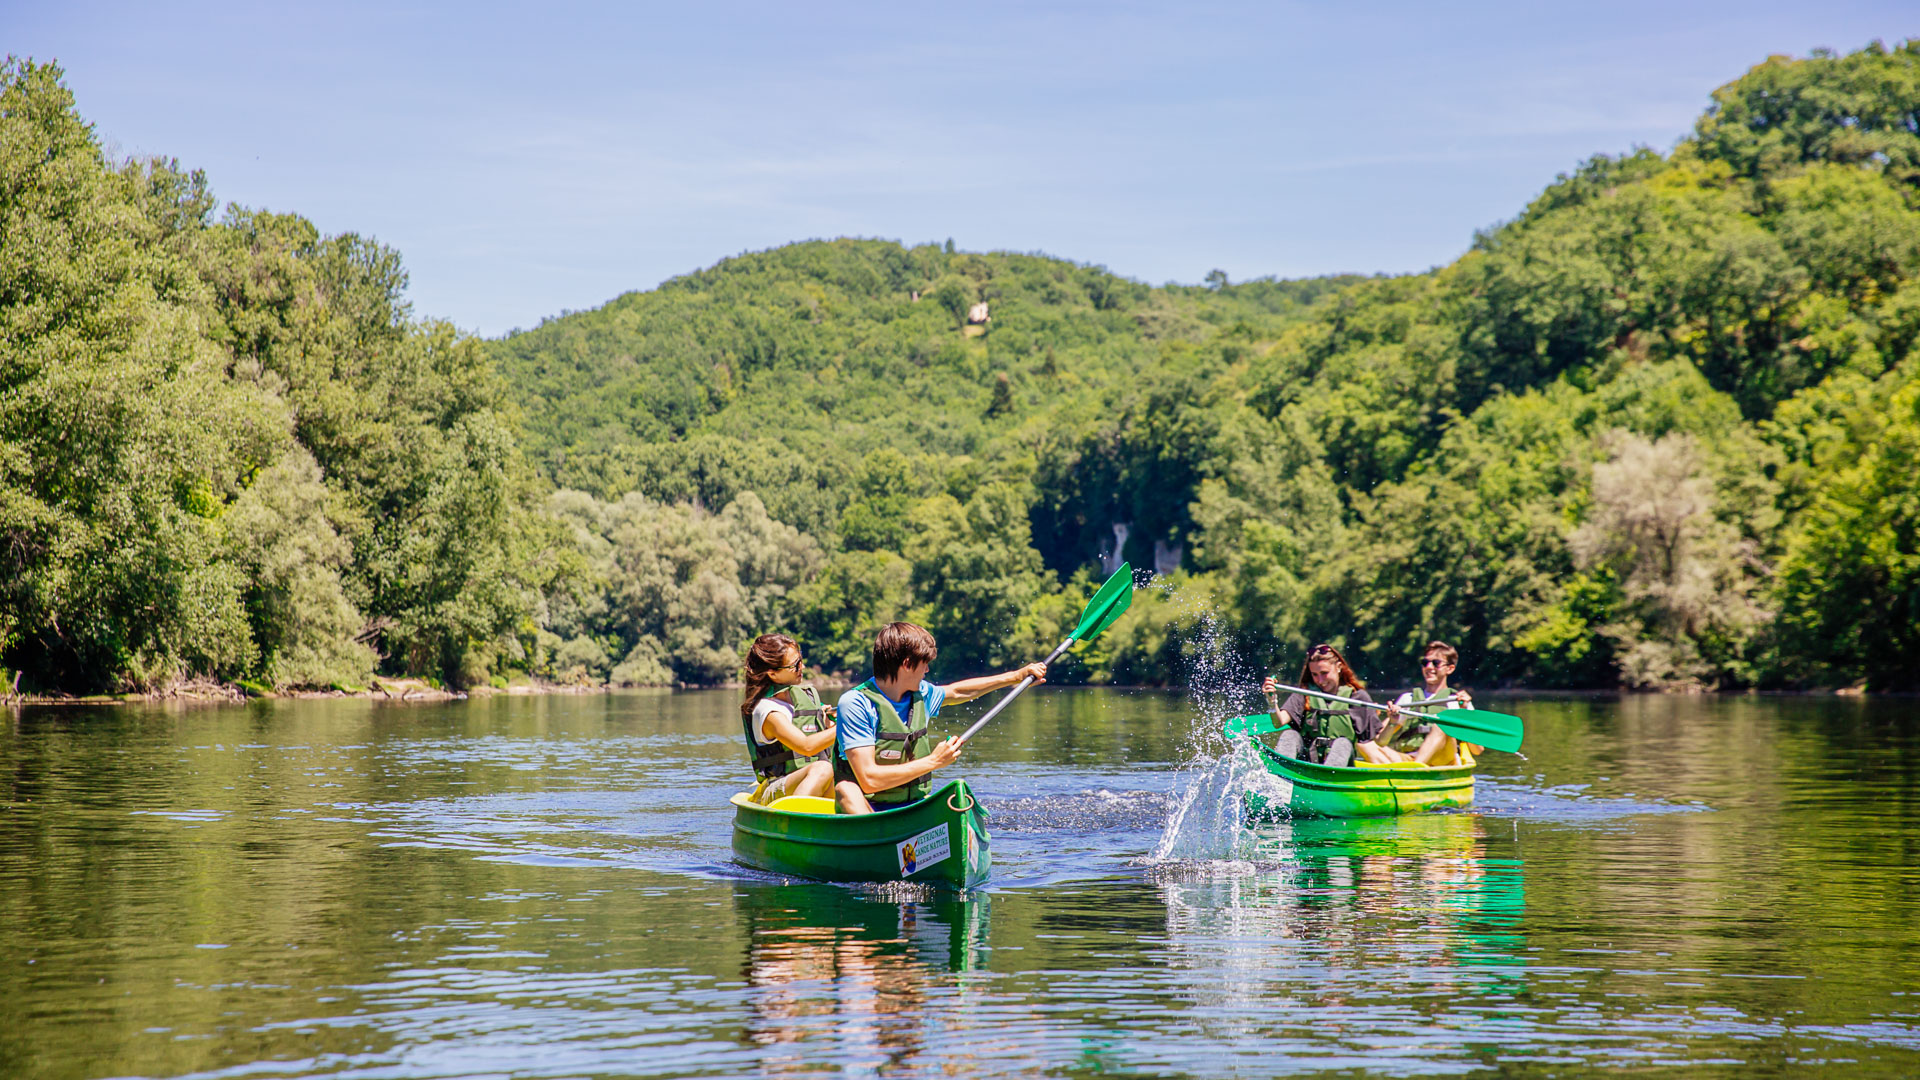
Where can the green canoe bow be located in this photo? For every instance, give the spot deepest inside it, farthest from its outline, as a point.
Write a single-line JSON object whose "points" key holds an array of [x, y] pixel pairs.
{"points": [[1304, 789], [941, 840]]}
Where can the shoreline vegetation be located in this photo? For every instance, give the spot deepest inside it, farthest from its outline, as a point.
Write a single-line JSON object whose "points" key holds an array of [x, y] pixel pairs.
{"points": [[204, 691], [418, 691], [1658, 431], [212, 692]]}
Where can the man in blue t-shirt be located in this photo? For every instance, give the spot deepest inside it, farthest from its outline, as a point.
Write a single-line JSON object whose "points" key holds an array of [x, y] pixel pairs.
{"points": [[902, 655]]}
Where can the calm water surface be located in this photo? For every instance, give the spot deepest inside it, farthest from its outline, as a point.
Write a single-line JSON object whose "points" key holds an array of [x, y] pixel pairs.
{"points": [[541, 887]]}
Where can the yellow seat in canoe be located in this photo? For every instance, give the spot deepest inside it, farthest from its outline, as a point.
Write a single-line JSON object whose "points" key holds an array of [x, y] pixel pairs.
{"points": [[802, 804]]}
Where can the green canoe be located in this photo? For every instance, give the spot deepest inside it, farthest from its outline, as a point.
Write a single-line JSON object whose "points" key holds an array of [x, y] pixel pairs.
{"points": [[941, 840], [1363, 790]]}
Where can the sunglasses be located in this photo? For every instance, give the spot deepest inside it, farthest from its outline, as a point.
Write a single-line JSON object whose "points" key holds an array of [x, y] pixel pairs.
{"points": [[795, 666], [1432, 663], [1322, 650]]}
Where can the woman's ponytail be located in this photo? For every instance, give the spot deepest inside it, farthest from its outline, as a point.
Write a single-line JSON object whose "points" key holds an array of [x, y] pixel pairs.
{"points": [[768, 655]]}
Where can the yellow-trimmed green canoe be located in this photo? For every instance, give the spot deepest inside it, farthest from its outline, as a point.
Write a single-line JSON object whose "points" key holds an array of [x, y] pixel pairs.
{"points": [[940, 840], [1361, 790]]}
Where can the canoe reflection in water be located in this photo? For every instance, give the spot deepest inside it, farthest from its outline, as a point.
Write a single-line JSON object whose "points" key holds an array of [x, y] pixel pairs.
{"points": [[1326, 904], [854, 973]]}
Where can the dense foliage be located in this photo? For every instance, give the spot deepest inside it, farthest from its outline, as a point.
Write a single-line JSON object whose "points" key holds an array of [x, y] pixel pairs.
{"points": [[225, 447], [1658, 430]]}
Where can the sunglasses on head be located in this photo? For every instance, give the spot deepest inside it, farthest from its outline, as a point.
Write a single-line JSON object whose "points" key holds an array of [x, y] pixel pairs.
{"points": [[1322, 650]]}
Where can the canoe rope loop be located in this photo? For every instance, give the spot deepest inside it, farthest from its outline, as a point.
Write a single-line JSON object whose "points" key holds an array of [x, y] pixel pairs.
{"points": [[959, 809]]}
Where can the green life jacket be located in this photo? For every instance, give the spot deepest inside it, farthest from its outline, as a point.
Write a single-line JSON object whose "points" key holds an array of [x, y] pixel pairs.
{"points": [[908, 739], [1414, 718], [776, 759], [1329, 719]]}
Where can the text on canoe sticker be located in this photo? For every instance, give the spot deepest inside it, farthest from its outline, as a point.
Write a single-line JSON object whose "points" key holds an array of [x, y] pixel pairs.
{"points": [[919, 852]]}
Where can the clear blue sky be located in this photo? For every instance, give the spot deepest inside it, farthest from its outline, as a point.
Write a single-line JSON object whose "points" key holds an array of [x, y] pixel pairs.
{"points": [[527, 162]]}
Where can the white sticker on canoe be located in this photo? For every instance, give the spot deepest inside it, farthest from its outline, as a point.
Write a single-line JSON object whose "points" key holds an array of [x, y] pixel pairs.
{"points": [[919, 852]]}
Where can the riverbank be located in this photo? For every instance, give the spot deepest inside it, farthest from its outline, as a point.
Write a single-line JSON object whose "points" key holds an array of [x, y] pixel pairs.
{"points": [[214, 692]]}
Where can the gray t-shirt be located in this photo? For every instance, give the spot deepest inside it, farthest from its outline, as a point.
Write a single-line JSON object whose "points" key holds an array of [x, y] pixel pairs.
{"points": [[1367, 723]]}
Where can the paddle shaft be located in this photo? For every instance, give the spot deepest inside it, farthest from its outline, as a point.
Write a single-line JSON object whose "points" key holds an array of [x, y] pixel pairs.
{"points": [[1274, 701], [1430, 701], [1327, 696], [1011, 694]]}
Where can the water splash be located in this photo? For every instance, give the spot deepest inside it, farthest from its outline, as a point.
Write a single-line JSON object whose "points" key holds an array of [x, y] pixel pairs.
{"points": [[1208, 819], [1209, 816]]}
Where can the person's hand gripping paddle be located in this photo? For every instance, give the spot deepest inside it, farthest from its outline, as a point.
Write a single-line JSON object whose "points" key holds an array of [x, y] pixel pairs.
{"points": [[1106, 606]]}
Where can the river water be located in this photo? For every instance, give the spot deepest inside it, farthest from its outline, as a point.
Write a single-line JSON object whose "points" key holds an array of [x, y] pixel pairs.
{"points": [[541, 887]]}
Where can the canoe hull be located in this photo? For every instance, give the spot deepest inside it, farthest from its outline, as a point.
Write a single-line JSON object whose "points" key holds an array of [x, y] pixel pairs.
{"points": [[1360, 791], [941, 840]]}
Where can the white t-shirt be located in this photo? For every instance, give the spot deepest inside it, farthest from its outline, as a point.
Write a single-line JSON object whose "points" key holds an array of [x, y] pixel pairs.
{"points": [[760, 714]]}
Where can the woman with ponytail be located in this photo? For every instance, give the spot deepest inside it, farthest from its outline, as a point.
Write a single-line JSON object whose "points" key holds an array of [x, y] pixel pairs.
{"points": [[788, 730]]}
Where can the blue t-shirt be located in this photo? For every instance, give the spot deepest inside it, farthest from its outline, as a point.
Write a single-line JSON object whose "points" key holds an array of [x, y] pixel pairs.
{"points": [[857, 723]]}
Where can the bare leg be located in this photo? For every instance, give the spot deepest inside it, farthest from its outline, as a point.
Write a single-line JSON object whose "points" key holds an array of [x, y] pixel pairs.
{"points": [[849, 799], [815, 780], [1430, 748], [1380, 754]]}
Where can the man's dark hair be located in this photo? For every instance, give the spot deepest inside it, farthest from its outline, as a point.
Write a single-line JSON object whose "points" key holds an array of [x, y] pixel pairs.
{"points": [[1445, 650], [900, 644]]}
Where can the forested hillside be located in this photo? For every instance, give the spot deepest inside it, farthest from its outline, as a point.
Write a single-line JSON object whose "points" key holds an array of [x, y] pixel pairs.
{"points": [[1650, 431], [1659, 430], [889, 458]]}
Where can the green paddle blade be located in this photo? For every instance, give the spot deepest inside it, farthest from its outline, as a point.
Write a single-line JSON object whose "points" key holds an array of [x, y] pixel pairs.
{"points": [[1493, 730], [1257, 724], [1106, 605]]}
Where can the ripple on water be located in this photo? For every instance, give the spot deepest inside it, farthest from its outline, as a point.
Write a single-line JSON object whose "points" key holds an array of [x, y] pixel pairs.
{"points": [[1565, 802], [1097, 811]]}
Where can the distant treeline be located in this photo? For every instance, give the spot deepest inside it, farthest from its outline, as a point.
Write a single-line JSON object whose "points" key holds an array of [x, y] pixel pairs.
{"points": [[1659, 430]]}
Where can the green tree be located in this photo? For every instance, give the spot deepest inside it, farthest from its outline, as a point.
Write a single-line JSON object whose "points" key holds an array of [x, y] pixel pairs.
{"points": [[674, 592], [1857, 109], [407, 422], [1848, 585], [975, 574], [121, 439], [301, 620]]}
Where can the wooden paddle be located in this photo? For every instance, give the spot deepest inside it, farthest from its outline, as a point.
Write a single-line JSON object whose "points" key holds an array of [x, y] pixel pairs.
{"points": [[1493, 730], [1106, 606]]}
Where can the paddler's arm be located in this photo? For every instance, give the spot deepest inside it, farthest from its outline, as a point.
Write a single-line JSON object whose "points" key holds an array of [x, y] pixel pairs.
{"points": [[968, 689], [779, 724], [1370, 749], [875, 777], [1288, 713], [1465, 701], [1395, 721]]}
